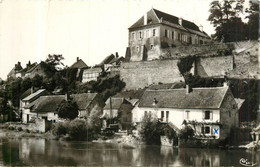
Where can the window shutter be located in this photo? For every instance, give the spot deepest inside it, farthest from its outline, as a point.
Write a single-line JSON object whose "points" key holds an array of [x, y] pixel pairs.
{"points": [[203, 114], [211, 115]]}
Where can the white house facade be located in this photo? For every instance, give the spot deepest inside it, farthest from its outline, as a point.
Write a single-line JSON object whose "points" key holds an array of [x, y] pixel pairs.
{"points": [[211, 112]]}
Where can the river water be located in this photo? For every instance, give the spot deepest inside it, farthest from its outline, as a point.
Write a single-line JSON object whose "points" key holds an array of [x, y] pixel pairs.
{"points": [[35, 152]]}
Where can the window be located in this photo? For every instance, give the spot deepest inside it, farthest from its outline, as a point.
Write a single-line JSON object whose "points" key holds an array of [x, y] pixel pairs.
{"points": [[173, 35], [179, 36], [205, 130], [162, 115], [165, 33], [190, 40], [151, 46], [167, 116], [208, 115], [187, 115], [140, 34], [201, 42], [154, 32]]}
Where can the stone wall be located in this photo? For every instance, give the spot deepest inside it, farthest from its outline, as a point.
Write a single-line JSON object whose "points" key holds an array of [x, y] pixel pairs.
{"points": [[144, 73], [214, 66], [40, 125], [212, 62]]}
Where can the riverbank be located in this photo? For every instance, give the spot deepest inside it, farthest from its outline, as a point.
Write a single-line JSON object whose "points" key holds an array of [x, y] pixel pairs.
{"points": [[11, 134]]}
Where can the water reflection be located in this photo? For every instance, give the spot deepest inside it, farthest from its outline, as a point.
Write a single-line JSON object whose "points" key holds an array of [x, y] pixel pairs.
{"points": [[31, 151]]}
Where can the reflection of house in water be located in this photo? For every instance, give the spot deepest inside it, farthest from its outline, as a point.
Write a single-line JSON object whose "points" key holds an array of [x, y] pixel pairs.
{"points": [[256, 133], [32, 146]]}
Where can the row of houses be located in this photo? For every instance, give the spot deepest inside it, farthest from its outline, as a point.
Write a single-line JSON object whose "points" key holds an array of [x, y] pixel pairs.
{"points": [[211, 112], [41, 104], [109, 65]]}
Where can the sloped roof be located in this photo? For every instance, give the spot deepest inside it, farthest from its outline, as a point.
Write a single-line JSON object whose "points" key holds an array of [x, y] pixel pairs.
{"points": [[186, 25], [33, 95], [83, 100], [130, 94], [116, 103], [175, 20], [46, 104], [107, 59], [178, 98], [79, 64]]}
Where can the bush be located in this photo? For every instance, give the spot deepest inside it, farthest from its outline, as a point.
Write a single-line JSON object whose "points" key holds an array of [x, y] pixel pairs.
{"points": [[60, 129], [150, 131], [186, 133], [170, 133], [78, 130]]}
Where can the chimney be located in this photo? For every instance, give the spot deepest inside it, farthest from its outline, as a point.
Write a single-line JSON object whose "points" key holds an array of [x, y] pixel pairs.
{"points": [[32, 90], [145, 19], [180, 21], [117, 55], [67, 96], [77, 59], [19, 63], [154, 101], [188, 89], [201, 28], [225, 84]]}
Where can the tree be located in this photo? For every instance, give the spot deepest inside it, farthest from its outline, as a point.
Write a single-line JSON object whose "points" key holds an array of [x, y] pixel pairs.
{"points": [[52, 64], [224, 15], [68, 110], [37, 81], [184, 66], [253, 20]]}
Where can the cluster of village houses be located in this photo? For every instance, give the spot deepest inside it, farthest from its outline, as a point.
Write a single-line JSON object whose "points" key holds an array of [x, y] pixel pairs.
{"points": [[212, 112]]}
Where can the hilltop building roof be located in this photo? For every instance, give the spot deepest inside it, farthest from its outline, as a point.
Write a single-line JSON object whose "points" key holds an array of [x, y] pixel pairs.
{"points": [[79, 64], [161, 17]]}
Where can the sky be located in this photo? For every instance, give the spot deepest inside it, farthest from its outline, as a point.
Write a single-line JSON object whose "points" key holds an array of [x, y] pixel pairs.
{"points": [[88, 29]]}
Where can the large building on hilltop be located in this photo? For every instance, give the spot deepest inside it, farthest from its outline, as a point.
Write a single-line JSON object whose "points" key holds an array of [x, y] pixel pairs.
{"points": [[157, 30]]}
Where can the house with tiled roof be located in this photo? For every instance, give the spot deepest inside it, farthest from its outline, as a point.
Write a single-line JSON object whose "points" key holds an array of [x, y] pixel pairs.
{"points": [[16, 71], [117, 111], [36, 69], [79, 66], [157, 30], [27, 98], [45, 107], [87, 103], [211, 112]]}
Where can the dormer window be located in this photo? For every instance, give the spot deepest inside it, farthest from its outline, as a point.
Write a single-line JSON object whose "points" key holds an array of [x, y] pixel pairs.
{"points": [[151, 46]]}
